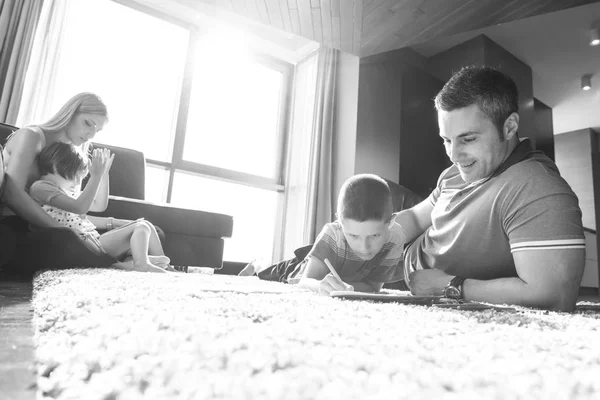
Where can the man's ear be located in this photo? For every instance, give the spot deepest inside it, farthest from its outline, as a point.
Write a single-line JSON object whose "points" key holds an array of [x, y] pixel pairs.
{"points": [[511, 126]]}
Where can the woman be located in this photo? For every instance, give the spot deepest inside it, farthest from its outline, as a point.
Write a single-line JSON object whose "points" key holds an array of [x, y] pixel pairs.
{"points": [[77, 122]]}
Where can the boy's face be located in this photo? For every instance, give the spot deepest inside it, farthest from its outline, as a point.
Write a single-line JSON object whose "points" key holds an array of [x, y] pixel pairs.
{"points": [[365, 238]]}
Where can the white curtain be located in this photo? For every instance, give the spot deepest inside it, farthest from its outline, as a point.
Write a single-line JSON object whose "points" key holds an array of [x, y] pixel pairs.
{"points": [[18, 22], [39, 81], [310, 201]]}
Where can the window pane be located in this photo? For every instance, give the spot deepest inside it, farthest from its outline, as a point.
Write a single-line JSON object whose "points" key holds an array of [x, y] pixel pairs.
{"points": [[254, 212], [234, 108], [135, 62], [157, 180]]}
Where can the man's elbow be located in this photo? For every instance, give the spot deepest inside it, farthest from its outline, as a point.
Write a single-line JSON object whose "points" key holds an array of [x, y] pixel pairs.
{"points": [[559, 300]]}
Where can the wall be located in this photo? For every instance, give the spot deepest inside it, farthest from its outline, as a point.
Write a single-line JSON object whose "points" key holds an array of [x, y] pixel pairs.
{"points": [[378, 124], [422, 154], [345, 142], [483, 51], [544, 128], [568, 116], [397, 132], [577, 156]]}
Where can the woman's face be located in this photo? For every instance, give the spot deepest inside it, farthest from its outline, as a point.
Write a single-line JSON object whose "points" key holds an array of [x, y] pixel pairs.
{"points": [[83, 127]]}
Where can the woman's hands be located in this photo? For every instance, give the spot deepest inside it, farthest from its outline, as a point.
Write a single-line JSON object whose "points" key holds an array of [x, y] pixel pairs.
{"points": [[101, 162]]}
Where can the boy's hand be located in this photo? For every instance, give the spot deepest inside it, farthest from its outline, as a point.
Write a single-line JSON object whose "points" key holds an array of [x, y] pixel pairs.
{"points": [[101, 162], [330, 283]]}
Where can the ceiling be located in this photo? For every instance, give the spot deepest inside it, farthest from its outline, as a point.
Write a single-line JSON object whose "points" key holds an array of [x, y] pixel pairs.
{"points": [[548, 35], [554, 45], [367, 27]]}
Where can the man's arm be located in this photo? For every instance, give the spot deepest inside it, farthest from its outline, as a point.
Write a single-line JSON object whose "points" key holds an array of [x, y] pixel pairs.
{"points": [[548, 279], [415, 220]]}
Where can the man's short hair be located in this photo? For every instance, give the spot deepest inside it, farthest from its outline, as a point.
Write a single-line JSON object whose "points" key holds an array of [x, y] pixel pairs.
{"points": [[365, 197], [494, 92], [63, 159]]}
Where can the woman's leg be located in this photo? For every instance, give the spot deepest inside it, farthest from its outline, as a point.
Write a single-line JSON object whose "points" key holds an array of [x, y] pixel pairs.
{"points": [[135, 237]]}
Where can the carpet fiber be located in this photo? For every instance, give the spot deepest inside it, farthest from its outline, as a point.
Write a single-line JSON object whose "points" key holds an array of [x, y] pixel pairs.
{"points": [[107, 334]]}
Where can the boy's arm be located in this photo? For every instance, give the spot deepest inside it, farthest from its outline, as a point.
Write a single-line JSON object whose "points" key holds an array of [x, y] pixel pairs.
{"points": [[367, 286], [317, 278]]}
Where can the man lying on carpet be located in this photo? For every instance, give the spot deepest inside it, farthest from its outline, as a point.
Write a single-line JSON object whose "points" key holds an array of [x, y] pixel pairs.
{"points": [[364, 245], [501, 226]]}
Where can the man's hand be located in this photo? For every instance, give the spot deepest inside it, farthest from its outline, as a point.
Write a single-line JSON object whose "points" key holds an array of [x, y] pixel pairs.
{"points": [[330, 283], [429, 282]]}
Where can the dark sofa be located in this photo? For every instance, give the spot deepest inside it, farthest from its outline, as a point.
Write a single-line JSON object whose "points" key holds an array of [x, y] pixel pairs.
{"points": [[190, 237]]}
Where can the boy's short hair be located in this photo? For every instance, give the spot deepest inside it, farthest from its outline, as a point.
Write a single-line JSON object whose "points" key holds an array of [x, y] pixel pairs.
{"points": [[365, 197], [63, 159]]}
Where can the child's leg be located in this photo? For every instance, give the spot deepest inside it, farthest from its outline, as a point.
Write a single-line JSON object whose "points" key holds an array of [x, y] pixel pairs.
{"points": [[280, 271], [154, 246], [135, 237]]}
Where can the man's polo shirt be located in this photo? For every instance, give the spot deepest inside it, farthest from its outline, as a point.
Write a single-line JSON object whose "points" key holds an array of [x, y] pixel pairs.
{"points": [[524, 206]]}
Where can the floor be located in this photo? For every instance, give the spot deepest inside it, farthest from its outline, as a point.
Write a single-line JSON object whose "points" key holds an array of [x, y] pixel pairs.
{"points": [[17, 352]]}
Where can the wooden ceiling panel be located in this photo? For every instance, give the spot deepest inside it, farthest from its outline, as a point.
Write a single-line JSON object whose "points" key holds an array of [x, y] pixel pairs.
{"points": [[450, 17], [367, 27]]}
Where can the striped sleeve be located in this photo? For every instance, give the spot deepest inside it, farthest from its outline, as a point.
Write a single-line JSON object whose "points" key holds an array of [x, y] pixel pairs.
{"points": [[564, 244]]}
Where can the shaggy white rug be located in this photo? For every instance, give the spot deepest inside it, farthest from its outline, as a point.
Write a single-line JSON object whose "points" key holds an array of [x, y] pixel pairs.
{"points": [[107, 334]]}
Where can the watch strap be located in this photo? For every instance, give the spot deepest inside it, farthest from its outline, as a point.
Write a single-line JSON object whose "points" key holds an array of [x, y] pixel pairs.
{"points": [[457, 282]]}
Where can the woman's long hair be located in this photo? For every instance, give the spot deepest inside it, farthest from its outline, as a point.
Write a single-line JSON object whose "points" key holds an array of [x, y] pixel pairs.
{"points": [[82, 103]]}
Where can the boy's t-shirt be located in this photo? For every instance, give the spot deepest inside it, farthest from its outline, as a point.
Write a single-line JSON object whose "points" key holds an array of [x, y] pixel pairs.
{"points": [[331, 244]]}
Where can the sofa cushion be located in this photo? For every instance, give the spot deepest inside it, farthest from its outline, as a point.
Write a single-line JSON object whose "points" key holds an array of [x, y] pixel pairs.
{"points": [[172, 219], [128, 172]]}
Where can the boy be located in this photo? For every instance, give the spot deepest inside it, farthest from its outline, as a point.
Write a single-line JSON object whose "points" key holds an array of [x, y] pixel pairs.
{"points": [[364, 245]]}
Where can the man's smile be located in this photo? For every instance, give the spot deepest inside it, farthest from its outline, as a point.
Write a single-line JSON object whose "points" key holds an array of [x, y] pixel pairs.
{"points": [[461, 165]]}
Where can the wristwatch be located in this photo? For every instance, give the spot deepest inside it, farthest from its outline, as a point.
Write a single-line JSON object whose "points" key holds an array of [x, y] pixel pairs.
{"points": [[454, 290]]}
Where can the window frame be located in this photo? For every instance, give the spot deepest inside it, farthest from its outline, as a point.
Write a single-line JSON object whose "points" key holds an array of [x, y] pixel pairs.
{"points": [[178, 164]]}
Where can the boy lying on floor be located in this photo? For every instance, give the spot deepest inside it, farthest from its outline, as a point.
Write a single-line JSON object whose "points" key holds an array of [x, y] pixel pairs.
{"points": [[364, 244]]}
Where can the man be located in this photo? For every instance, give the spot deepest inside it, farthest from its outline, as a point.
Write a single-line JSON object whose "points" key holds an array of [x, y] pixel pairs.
{"points": [[501, 226]]}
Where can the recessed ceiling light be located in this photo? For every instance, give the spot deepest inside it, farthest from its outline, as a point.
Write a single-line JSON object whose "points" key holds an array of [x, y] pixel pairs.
{"points": [[586, 82], [594, 37]]}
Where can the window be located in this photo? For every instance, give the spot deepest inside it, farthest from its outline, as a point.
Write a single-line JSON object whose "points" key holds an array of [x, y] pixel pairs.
{"points": [[137, 72], [208, 115]]}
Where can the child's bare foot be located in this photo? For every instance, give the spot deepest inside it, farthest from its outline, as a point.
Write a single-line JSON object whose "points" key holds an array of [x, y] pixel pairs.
{"points": [[140, 267], [248, 270], [254, 267], [161, 261], [145, 266]]}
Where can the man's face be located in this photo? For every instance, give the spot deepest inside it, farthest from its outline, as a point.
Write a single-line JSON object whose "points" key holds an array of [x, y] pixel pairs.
{"points": [[473, 143], [365, 238]]}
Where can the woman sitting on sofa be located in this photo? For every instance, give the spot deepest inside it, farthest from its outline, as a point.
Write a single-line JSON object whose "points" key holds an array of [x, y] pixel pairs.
{"points": [[77, 122]]}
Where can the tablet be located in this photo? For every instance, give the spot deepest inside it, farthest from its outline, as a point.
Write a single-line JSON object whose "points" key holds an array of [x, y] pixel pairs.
{"points": [[387, 297], [435, 301]]}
